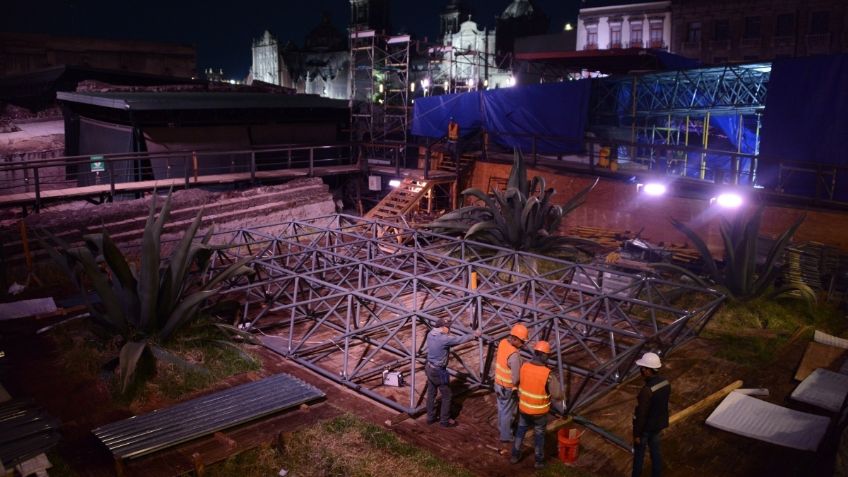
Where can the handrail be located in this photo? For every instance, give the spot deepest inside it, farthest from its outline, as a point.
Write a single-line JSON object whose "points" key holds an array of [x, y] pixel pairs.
{"points": [[137, 167]]}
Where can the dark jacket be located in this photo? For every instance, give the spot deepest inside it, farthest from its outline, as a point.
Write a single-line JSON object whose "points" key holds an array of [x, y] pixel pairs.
{"points": [[651, 413]]}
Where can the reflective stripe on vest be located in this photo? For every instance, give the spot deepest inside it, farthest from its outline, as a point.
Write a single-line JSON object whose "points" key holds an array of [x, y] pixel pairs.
{"points": [[533, 397], [659, 386], [503, 374]]}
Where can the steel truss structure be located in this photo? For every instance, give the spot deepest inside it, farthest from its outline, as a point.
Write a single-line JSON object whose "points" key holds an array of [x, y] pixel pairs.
{"points": [[675, 108], [351, 298]]}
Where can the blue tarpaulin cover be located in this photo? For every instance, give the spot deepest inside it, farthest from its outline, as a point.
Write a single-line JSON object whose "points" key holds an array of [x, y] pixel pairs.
{"points": [[552, 110], [805, 118]]}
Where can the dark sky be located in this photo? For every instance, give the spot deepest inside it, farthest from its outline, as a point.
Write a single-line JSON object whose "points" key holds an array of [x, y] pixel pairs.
{"points": [[222, 30]]}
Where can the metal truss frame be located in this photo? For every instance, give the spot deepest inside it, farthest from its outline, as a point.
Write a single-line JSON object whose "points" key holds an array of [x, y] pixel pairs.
{"points": [[350, 298], [734, 89]]}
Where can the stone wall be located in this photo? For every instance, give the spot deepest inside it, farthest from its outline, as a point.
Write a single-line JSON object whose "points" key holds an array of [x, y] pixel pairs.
{"points": [[298, 199], [615, 205]]}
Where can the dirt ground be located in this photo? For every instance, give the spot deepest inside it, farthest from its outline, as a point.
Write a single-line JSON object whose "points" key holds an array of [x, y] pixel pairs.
{"points": [[689, 447]]}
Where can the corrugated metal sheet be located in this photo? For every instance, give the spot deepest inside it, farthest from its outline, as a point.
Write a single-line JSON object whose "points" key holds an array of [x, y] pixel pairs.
{"points": [[163, 428], [25, 431]]}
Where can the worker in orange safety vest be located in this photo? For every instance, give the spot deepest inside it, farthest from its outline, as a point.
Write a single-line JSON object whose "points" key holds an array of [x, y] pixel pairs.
{"points": [[507, 377], [536, 387], [453, 130]]}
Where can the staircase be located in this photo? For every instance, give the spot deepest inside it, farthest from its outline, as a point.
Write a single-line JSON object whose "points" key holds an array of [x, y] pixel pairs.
{"points": [[400, 200], [465, 162]]}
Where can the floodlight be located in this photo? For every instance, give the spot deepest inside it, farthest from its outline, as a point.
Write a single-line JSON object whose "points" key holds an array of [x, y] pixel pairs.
{"points": [[729, 200], [653, 189], [425, 83], [394, 183]]}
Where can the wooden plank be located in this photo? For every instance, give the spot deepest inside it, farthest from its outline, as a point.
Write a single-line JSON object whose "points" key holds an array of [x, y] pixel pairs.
{"points": [[706, 402], [26, 198]]}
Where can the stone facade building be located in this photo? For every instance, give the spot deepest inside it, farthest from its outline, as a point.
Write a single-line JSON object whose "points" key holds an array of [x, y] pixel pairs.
{"points": [[321, 67], [606, 26], [734, 31]]}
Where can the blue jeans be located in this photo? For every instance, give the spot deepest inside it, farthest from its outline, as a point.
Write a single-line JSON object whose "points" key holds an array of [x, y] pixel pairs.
{"points": [[507, 406], [652, 441], [437, 380], [524, 422]]}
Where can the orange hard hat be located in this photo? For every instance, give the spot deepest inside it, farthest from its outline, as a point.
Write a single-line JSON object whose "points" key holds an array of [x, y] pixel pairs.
{"points": [[542, 346], [520, 332]]}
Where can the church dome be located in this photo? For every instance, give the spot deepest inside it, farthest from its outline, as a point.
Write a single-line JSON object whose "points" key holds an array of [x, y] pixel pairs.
{"points": [[325, 37], [519, 9]]}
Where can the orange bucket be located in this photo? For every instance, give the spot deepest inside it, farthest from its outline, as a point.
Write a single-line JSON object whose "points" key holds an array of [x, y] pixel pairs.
{"points": [[568, 447]]}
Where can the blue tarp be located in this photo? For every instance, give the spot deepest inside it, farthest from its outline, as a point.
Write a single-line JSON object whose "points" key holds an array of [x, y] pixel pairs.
{"points": [[553, 110], [805, 119]]}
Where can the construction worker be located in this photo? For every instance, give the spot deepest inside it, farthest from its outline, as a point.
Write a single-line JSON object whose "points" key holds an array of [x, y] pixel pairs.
{"points": [[439, 342], [453, 130], [651, 415], [507, 377], [536, 387]]}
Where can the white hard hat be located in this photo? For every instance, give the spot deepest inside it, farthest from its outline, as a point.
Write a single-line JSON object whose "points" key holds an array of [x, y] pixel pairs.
{"points": [[649, 360]]}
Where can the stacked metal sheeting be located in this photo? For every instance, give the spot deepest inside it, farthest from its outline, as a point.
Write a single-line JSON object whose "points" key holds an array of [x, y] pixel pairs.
{"points": [[163, 428], [25, 432]]}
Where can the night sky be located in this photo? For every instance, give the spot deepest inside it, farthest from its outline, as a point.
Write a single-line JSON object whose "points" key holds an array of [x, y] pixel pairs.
{"points": [[222, 30]]}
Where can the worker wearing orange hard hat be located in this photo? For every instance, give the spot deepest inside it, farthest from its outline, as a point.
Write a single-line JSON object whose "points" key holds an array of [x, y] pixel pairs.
{"points": [[537, 386], [507, 377]]}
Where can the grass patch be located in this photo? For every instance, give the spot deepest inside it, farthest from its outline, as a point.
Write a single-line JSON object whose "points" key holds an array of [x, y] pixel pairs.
{"points": [[85, 352], [348, 446], [264, 460], [752, 332], [555, 468]]}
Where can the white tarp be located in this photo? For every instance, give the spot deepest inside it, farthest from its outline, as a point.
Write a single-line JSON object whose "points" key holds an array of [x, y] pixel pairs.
{"points": [[751, 417], [824, 389], [25, 308]]}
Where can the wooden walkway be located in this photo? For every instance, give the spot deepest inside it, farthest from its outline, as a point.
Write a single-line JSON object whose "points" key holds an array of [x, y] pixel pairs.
{"points": [[31, 198]]}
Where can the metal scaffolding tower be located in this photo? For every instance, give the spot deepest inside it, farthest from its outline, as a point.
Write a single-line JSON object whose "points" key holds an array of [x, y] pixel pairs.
{"points": [[363, 57], [393, 70], [351, 298]]}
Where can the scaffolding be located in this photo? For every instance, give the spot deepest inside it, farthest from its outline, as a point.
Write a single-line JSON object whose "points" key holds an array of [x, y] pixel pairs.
{"points": [[451, 69], [681, 108], [350, 299]]}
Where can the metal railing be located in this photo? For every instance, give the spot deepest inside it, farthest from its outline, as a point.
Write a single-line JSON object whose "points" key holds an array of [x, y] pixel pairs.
{"points": [[181, 168]]}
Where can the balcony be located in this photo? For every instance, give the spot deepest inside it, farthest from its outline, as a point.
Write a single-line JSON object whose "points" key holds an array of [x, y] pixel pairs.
{"points": [[783, 41], [657, 45], [818, 43], [691, 46], [634, 44], [720, 45], [591, 46], [615, 46]]}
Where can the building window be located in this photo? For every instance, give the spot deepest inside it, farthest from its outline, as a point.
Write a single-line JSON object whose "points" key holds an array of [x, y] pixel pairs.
{"points": [[785, 25], [819, 23], [753, 27], [636, 35], [615, 35], [693, 32], [657, 34], [592, 37], [722, 30]]}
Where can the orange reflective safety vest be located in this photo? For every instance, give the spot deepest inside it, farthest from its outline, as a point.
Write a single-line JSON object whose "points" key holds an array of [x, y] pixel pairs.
{"points": [[453, 131], [533, 397], [503, 373]]}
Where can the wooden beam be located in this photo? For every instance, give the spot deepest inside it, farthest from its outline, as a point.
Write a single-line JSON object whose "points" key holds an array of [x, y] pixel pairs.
{"points": [[706, 402]]}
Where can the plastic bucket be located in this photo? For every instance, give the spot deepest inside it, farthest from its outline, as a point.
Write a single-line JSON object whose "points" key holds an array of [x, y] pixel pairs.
{"points": [[567, 447]]}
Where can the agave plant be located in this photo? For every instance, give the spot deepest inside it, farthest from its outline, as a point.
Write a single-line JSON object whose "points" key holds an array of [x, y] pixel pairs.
{"points": [[148, 304], [742, 277], [521, 218]]}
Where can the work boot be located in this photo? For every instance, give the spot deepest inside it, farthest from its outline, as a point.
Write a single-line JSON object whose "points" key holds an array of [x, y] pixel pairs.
{"points": [[540, 464], [514, 458]]}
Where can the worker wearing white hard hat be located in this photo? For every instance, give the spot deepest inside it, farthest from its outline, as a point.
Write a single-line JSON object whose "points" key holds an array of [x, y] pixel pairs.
{"points": [[651, 415]]}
